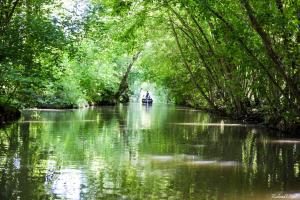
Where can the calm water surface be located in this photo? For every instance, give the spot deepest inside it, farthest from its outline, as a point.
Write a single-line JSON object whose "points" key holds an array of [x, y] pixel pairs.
{"points": [[138, 152]]}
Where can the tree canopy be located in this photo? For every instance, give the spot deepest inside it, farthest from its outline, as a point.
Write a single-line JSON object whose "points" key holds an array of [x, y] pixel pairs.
{"points": [[237, 58]]}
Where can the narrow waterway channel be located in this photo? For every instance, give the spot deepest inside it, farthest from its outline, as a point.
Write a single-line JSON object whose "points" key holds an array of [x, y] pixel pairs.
{"points": [[138, 152]]}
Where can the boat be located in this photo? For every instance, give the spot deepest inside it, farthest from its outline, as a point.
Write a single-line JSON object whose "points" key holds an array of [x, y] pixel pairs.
{"points": [[147, 101]]}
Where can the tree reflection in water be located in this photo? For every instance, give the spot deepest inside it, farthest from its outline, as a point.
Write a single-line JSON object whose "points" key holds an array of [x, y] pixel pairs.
{"points": [[136, 152]]}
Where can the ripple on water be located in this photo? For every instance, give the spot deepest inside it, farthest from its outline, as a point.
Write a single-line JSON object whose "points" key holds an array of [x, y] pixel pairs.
{"points": [[286, 196], [284, 141], [164, 158], [195, 145], [191, 160], [213, 163], [212, 124], [171, 158]]}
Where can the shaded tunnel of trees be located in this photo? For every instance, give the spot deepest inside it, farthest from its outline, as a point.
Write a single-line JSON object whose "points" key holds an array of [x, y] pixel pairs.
{"points": [[237, 58]]}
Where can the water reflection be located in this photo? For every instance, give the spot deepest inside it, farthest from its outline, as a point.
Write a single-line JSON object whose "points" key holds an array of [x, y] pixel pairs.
{"points": [[69, 183], [213, 163], [137, 152], [285, 141]]}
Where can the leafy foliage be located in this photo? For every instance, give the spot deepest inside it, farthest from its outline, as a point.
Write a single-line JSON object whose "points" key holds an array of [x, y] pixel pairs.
{"points": [[235, 58]]}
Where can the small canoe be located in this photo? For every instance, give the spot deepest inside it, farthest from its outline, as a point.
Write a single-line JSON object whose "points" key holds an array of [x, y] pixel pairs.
{"points": [[147, 101]]}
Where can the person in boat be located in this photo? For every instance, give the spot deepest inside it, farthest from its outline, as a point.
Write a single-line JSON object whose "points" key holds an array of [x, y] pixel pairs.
{"points": [[148, 95]]}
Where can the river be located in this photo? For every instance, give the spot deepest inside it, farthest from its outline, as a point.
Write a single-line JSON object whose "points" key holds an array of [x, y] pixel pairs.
{"points": [[139, 152]]}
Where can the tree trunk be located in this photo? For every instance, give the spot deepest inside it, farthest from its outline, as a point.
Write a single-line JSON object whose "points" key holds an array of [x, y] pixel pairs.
{"points": [[280, 68], [6, 13], [250, 52], [124, 82], [209, 101], [190, 34]]}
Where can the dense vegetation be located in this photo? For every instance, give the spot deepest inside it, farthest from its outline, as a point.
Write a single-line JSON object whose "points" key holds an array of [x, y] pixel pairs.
{"points": [[237, 58]]}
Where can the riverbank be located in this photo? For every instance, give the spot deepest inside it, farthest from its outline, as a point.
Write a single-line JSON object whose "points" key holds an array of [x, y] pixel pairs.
{"points": [[256, 117], [85, 104], [8, 114]]}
